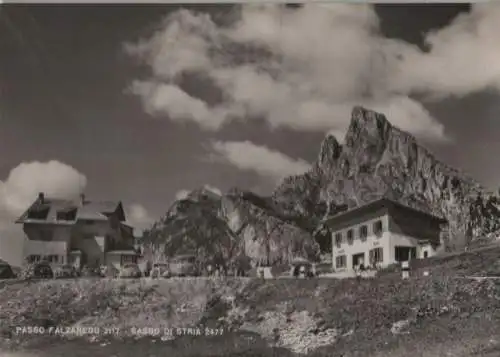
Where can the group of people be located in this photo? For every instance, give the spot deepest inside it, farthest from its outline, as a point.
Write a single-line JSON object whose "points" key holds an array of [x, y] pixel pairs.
{"points": [[361, 268], [216, 270]]}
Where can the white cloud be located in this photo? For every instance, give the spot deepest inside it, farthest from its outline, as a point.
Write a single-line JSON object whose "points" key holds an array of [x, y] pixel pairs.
{"points": [[182, 194], [464, 57], [138, 216], [26, 180], [247, 156], [213, 189], [167, 98], [314, 65]]}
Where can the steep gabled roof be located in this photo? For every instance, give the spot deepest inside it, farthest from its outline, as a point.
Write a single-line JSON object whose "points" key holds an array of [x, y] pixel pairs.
{"points": [[377, 204], [47, 211], [68, 212], [95, 210]]}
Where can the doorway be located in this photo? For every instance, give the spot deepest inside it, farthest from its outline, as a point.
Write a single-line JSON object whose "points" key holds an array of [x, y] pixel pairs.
{"points": [[358, 259], [404, 254]]}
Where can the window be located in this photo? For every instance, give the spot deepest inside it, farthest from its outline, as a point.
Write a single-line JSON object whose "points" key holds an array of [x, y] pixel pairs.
{"points": [[40, 212], [341, 261], [34, 258], [350, 236], [363, 232], [426, 254], [68, 214], [376, 256], [52, 258], [378, 228], [338, 239], [128, 259]]}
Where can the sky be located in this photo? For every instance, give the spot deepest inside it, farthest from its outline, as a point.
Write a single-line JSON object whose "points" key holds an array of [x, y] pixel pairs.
{"points": [[144, 103]]}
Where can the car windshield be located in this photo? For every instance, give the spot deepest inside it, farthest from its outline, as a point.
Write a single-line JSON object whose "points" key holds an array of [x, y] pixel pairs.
{"points": [[184, 259]]}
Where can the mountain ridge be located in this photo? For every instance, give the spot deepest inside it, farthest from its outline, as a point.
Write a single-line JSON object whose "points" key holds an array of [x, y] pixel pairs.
{"points": [[376, 160]]}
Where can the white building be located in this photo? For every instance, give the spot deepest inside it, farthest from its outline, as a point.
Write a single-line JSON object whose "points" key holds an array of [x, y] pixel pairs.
{"points": [[381, 233], [82, 232]]}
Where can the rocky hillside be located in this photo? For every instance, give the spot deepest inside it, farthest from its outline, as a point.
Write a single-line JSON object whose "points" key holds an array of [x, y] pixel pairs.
{"points": [[224, 228], [378, 159]]}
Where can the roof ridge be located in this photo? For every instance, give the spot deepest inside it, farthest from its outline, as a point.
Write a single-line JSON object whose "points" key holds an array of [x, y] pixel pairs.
{"points": [[380, 199]]}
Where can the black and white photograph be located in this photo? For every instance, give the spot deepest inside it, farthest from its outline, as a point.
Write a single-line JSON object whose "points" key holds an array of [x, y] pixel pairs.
{"points": [[313, 179]]}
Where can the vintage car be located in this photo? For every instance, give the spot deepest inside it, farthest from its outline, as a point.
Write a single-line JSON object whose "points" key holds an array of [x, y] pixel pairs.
{"points": [[160, 270], [302, 268], [65, 271], [183, 265], [39, 270], [6, 271], [130, 270]]}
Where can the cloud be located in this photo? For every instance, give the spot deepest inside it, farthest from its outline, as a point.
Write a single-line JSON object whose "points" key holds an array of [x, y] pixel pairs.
{"points": [[213, 189], [307, 68], [463, 57], [247, 156], [138, 216], [26, 180], [182, 194], [167, 98]]}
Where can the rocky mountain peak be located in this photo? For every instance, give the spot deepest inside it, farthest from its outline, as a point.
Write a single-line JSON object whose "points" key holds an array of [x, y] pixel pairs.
{"points": [[330, 150], [367, 130], [379, 159]]}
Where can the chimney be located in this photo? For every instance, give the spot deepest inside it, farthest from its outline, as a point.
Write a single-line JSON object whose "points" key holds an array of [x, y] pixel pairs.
{"points": [[41, 197], [82, 199]]}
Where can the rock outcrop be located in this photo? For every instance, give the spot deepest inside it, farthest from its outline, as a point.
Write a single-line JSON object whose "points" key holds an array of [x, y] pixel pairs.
{"points": [[378, 160], [222, 228]]}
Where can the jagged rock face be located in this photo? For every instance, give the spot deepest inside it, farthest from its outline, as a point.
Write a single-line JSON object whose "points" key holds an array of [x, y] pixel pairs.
{"points": [[377, 160], [223, 228]]}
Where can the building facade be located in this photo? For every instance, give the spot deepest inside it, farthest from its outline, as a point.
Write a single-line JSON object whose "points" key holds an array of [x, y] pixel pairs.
{"points": [[381, 233], [83, 233]]}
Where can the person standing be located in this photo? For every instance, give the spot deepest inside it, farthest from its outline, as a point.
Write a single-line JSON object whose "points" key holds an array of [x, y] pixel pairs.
{"points": [[357, 271]]}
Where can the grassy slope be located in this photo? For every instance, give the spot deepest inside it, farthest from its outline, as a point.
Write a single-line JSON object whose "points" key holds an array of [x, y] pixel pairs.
{"points": [[445, 312]]}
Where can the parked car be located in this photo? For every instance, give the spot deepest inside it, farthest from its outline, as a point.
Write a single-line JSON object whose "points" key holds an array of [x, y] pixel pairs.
{"points": [[65, 271], [160, 270], [302, 268], [6, 271], [130, 270], [183, 265], [90, 272], [109, 271], [324, 268], [40, 270]]}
